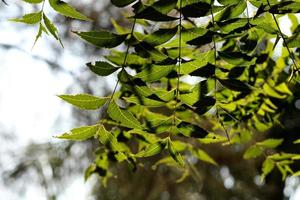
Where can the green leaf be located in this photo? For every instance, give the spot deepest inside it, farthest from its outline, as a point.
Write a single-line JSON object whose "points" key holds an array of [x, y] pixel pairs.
{"points": [[33, 1], [191, 130], [145, 50], [232, 24], [102, 38], [39, 34], [253, 152], [111, 142], [102, 68], [144, 101], [235, 85], [122, 3], [237, 58], [285, 7], [265, 23], [154, 72], [198, 8], [270, 143], [123, 116], [174, 153], [65, 9], [294, 40], [84, 101], [153, 14], [32, 18], [51, 28], [79, 134], [152, 149], [228, 2], [267, 167], [203, 156], [297, 141], [204, 105], [160, 36], [231, 11], [212, 138], [268, 90], [89, 171]]}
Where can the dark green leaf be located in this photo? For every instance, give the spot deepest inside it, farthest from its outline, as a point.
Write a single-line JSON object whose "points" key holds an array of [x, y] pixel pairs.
{"points": [[161, 36], [65, 9], [102, 68], [102, 38], [191, 130], [122, 3], [174, 153], [152, 149], [235, 85]]}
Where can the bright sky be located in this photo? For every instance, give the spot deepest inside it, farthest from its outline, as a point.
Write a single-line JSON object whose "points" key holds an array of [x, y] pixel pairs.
{"points": [[28, 105]]}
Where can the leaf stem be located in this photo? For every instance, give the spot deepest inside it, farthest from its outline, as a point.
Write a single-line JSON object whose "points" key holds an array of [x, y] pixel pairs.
{"points": [[179, 64], [295, 68], [216, 81], [124, 63]]}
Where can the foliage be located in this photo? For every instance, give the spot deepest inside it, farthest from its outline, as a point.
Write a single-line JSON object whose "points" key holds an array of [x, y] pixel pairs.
{"points": [[240, 89]]}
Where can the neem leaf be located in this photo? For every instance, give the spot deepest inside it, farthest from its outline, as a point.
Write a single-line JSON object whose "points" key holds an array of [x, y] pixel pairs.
{"points": [[65, 9], [294, 40], [161, 36], [236, 72], [270, 143], [108, 139], [205, 71], [231, 11], [253, 152], [228, 2], [152, 149], [155, 72], [122, 3], [39, 34], [198, 8], [202, 155], [237, 58], [174, 153], [235, 85], [32, 18], [102, 68], [150, 13], [84, 101], [191, 130], [79, 134], [123, 116], [102, 38], [34, 1], [140, 100], [267, 167], [204, 104], [51, 28]]}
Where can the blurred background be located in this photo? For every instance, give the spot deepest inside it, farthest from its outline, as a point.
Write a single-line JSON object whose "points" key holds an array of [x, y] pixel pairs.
{"points": [[35, 165]]}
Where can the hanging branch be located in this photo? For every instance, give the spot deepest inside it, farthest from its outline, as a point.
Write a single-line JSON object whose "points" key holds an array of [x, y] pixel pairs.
{"points": [[179, 63], [124, 62], [295, 68], [216, 81]]}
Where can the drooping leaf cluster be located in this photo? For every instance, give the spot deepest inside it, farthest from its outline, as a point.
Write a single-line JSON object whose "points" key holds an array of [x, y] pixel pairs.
{"points": [[192, 73]]}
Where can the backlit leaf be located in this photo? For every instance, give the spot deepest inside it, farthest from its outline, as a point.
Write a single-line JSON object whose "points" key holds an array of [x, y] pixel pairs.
{"points": [[84, 101]]}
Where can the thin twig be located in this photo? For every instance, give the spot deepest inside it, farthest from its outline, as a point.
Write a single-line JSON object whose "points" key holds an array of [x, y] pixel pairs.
{"points": [[216, 81], [179, 63], [295, 68], [123, 65]]}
